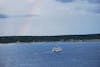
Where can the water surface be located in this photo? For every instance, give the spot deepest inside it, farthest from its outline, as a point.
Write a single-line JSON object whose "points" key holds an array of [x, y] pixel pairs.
{"points": [[74, 54]]}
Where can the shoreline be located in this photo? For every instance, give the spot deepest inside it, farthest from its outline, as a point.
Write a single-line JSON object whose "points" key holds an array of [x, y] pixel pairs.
{"points": [[60, 38]]}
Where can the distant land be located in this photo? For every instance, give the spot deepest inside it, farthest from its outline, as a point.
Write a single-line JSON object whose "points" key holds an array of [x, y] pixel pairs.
{"points": [[60, 38]]}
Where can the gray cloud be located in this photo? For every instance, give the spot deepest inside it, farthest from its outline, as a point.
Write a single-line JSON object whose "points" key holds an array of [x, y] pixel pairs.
{"points": [[90, 1], [89, 6], [65, 1], [75, 17], [95, 10], [3, 16], [94, 1]]}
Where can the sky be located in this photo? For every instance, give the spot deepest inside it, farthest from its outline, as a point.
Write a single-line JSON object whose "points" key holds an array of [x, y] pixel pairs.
{"points": [[49, 17]]}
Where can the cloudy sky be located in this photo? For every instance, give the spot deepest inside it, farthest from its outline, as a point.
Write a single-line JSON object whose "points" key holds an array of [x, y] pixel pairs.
{"points": [[49, 17]]}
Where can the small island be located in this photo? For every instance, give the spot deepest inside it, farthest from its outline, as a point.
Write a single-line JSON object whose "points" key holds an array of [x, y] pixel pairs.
{"points": [[60, 38]]}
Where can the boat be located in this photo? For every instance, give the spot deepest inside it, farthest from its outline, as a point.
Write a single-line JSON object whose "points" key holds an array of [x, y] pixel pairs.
{"points": [[56, 49]]}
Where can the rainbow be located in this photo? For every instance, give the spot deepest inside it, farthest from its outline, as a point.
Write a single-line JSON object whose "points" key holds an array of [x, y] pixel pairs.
{"points": [[25, 27]]}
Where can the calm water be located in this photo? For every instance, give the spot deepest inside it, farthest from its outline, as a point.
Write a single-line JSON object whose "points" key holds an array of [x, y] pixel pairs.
{"points": [[74, 54]]}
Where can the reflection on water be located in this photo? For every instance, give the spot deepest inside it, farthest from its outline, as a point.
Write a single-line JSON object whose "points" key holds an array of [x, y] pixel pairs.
{"points": [[81, 54]]}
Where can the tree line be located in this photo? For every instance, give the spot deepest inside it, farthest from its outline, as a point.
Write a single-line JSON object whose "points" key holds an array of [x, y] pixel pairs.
{"points": [[63, 38]]}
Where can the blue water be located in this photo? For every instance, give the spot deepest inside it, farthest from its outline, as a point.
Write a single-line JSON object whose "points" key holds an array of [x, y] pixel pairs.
{"points": [[74, 54]]}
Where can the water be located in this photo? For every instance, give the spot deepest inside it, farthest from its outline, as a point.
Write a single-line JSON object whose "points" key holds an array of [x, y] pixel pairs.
{"points": [[74, 54]]}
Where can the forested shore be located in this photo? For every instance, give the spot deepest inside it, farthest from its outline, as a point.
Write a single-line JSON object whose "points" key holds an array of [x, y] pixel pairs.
{"points": [[60, 38]]}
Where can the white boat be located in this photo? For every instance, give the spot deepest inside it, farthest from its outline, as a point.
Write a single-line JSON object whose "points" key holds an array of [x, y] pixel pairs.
{"points": [[56, 49]]}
